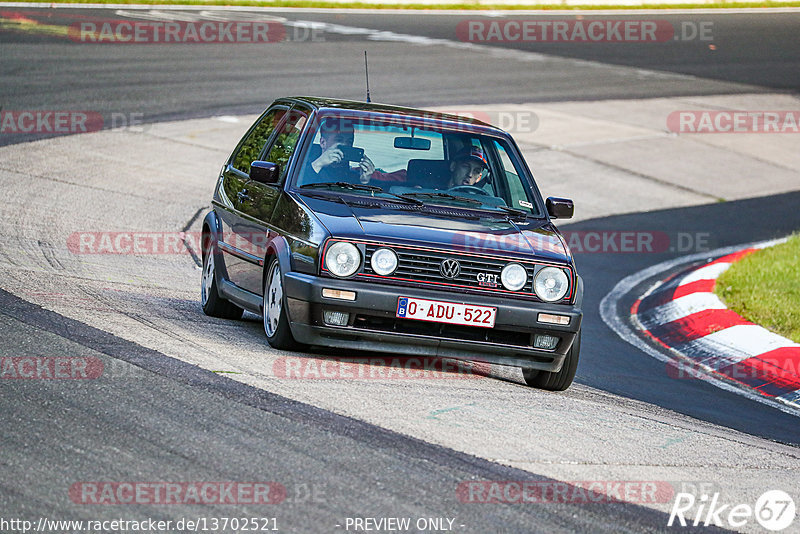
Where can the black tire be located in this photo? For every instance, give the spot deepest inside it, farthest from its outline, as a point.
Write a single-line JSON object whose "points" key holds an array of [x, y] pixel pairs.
{"points": [[558, 381], [273, 311], [213, 304]]}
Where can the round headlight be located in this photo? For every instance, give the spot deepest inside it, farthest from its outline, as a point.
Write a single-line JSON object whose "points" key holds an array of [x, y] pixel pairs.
{"points": [[550, 284], [384, 261], [342, 259], [513, 276]]}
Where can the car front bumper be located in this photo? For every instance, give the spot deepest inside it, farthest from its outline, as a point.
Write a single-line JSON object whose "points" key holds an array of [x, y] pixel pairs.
{"points": [[373, 326]]}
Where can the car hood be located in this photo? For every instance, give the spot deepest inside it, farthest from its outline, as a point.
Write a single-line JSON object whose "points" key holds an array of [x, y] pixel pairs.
{"points": [[439, 227]]}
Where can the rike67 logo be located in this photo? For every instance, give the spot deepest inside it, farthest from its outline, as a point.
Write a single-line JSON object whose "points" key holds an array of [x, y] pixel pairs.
{"points": [[774, 510]]}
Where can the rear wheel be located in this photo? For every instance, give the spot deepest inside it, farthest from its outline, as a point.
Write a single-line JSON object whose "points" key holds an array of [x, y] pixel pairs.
{"points": [[560, 380], [276, 321], [213, 304]]}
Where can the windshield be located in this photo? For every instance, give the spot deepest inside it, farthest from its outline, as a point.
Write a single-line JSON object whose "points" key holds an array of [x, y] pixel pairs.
{"points": [[422, 164]]}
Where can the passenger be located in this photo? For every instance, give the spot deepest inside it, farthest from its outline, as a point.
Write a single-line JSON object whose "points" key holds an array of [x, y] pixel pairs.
{"points": [[332, 165]]}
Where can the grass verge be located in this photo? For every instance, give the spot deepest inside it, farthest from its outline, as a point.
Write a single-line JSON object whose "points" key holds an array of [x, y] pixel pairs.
{"points": [[460, 6], [764, 287]]}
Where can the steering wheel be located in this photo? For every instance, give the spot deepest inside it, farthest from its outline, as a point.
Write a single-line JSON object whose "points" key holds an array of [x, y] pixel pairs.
{"points": [[469, 189]]}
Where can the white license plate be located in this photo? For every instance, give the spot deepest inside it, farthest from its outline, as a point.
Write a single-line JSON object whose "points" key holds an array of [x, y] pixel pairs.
{"points": [[445, 312]]}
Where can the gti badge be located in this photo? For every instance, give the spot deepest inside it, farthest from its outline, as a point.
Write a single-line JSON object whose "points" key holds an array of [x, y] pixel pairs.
{"points": [[487, 279]]}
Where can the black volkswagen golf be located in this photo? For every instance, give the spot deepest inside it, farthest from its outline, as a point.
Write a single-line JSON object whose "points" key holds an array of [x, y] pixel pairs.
{"points": [[382, 228]]}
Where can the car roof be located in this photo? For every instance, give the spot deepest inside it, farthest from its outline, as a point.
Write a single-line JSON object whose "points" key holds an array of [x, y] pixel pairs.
{"points": [[334, 104]]}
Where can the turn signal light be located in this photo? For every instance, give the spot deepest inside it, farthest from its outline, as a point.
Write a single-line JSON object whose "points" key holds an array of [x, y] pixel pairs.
{"points": [[553, 318], [338, 294]]}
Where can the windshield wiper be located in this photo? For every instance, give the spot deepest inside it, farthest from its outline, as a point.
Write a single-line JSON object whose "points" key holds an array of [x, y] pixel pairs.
{"points": [[514, 211], [415, 201], [344, 185], [447, 196], [362, 187]]}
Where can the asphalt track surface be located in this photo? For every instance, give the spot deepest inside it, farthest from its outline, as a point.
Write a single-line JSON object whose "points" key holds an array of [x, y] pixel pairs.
{"points": [[179, 422], [752, 54], [213, 428]]}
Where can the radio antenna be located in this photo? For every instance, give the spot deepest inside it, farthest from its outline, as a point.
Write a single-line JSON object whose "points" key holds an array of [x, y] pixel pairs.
{"points": [[366, 71]]}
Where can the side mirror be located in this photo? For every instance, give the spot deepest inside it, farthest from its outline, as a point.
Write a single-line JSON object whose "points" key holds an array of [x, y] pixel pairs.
{"points": [[264, 172], [560, 208]]}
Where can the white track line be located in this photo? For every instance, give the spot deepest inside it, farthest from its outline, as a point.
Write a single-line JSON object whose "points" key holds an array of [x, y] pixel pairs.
{"points": [[735, 344], [681, 307], [460, 12], [752, 339], [709, 272]]}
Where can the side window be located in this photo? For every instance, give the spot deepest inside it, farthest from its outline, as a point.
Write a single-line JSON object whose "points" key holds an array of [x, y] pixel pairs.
{"points": [[286, 141], [252, 145], [517, 192]]}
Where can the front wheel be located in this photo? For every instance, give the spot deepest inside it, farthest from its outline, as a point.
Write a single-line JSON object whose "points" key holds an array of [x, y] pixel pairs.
{"points": [[276, 321], [560, 380]]}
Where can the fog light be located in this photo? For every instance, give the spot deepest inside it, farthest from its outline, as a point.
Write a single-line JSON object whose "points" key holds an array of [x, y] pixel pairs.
{"points": [[513, 276], [384, 261], [338, 294], [335, 318], [553, 319], [545, 342]]}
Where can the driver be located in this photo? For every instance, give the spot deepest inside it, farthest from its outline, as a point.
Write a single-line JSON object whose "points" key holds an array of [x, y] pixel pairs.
{"points": [[331, 165], [467, 167]]}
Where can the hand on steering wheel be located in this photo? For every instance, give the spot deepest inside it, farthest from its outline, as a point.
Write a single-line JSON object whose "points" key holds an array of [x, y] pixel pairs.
{"points": [[469, 189]]}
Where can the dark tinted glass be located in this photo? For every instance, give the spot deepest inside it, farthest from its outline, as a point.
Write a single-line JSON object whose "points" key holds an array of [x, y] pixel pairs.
{"points": [[255, 141]]}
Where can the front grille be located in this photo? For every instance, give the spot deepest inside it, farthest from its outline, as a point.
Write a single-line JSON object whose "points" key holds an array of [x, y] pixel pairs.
{"points": [[424, 266]]}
